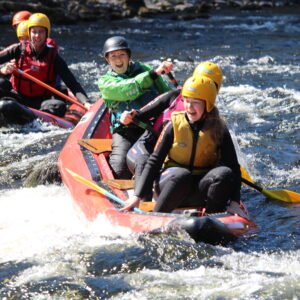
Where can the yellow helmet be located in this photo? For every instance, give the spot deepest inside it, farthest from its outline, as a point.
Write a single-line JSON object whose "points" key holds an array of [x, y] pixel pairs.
{"points": [[41, 20], [210, 70], [202, 88], [22, 30]]}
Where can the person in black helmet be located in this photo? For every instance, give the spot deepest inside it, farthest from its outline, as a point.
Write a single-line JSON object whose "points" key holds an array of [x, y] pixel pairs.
{"points": [[127, 85]]}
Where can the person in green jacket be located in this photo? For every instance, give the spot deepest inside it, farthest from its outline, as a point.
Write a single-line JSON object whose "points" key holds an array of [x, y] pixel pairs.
{"points": [[127, 85]]}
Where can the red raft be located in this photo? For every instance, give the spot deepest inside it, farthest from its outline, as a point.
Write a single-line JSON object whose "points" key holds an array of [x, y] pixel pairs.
{"points": [[85, 154], [12, 112]]}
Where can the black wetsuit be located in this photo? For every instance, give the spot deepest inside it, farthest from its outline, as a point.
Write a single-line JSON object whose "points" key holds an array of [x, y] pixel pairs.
{"points": [[175, 186], [139, 153]]}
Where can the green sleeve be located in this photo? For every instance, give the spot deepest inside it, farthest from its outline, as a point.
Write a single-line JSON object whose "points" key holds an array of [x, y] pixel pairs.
{"points": [[120, 89], [162, 85]]}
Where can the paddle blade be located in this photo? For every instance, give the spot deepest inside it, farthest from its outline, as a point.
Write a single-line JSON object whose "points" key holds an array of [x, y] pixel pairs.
{"points": [[87, 182], [282, 195], [97, 188]]}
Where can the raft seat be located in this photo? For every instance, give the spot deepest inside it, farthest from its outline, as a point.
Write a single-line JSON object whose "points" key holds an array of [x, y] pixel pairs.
{"points": [[102, 146], [96, 146]]}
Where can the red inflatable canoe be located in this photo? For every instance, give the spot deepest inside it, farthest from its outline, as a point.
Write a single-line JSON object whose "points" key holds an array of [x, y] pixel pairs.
{"points": [[83, 162], [12, 112]]}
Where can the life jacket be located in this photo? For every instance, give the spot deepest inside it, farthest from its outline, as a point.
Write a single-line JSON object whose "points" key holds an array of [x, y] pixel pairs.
{"points": [[176, 105], [41, 68], [198, 153], [120, 106]]}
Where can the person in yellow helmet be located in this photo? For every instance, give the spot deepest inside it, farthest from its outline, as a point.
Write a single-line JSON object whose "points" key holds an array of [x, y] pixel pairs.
{"points": [[194, 159], [22, 31], [20, 24], [161, 109], [210, 70], [43, 62]]}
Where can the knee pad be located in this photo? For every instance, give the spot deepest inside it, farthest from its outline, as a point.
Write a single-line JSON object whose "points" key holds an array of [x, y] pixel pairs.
{"points": [[54, 106]]}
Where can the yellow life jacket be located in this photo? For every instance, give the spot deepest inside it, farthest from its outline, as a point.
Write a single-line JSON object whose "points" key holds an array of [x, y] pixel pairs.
{"points": [[206, 152]]}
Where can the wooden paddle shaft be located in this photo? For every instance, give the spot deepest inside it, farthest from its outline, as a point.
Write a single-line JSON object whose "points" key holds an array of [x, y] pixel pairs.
{"points": [[50, 88]]}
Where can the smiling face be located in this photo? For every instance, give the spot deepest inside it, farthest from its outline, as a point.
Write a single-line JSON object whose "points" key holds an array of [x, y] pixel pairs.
{"points": [[118, 60], [38, 36], [194, 108]]}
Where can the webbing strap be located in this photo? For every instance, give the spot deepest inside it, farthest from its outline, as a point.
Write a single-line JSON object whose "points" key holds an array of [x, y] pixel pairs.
{"points": [[96, 145]]}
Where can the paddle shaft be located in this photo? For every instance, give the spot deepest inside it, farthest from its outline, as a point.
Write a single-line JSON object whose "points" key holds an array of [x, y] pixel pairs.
{"points": [[258, 188], [50, 88], [144, 125], [114, 198], [173, 79], [99, 189]]}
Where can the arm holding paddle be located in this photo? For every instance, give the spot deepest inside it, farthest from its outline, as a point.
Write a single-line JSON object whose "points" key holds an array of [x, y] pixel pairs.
{"points": [[128, 116], [46, 86], [150, 111], [164, 68], [65, 73], [132, 203], [69, 79], [52, 65], [8, 68]]}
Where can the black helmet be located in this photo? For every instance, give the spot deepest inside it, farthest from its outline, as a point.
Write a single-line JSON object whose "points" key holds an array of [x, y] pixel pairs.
{"points": [[115, 43]]}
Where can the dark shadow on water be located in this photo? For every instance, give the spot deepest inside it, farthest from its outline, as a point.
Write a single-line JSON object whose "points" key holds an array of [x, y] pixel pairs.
{"points": [[8, 271], [161, 251], [51, 288], [45, 172]]}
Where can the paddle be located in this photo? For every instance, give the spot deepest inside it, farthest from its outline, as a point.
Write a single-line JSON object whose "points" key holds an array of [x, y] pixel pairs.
{"points": [[173, 79], [280, 195], [146, 126], [50, 88], [97, 188]]}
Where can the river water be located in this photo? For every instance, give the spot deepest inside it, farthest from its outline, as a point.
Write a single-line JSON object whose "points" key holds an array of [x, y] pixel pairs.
{"points": [[49, 251]]}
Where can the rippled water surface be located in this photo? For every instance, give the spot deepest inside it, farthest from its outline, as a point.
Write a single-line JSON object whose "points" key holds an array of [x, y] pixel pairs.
{"points": [[49, 251]]}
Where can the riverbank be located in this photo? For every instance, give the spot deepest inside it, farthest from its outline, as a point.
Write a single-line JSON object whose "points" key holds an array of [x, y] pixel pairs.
{"points": [[74, 11]]}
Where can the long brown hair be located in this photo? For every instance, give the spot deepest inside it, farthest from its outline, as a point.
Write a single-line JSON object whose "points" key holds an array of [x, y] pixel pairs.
{"points": [[216, 124]]}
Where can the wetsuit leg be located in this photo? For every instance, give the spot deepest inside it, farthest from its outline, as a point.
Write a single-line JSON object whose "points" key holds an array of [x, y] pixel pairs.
{"points": [[139, 153], [54, 106], [217, 187], [5, 85], [122, 141], [12, 112], [173, 187], [117, 158], [138, 156]]}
